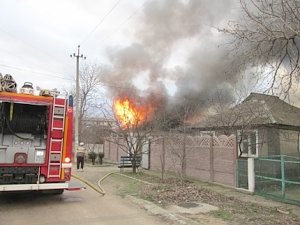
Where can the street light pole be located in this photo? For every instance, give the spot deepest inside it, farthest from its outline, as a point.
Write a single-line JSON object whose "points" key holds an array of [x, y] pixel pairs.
{"points": [[78, 56]]}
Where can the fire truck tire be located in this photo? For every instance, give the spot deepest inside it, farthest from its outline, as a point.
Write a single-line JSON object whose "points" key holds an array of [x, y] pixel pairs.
{"points": [[53, 192], [58, 191]]}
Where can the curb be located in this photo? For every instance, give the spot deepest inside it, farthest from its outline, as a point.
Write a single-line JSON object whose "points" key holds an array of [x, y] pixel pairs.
{"points": [[159, 211]]}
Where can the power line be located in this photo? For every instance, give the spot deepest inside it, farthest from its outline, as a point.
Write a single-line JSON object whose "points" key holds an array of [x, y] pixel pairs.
{"points": [[35, 48], [84, 40], [27, 44], [103, 84], [100, 22], [36, 72], [127, 19]]}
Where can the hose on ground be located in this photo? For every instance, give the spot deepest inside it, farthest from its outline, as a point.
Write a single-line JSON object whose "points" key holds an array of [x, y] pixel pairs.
{"points": [[142, 181], [100, 189]]}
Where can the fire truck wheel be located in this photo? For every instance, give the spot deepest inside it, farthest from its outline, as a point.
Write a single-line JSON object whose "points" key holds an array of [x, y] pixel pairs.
{"points": [[53, 192], [58, 192]]}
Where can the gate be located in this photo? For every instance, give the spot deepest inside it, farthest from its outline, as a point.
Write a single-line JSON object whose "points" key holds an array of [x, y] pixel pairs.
{"points": [[278, 177], [145, 156], [242, 173]]}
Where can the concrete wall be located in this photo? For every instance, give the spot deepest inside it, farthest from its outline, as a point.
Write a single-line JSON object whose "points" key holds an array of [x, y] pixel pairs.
{"points": [[112, 151], [202, 157], [278, 142], [289, 142]]}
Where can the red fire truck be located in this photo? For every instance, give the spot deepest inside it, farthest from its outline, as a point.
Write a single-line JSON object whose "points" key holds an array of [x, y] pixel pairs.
{"points": [[35, 141]]}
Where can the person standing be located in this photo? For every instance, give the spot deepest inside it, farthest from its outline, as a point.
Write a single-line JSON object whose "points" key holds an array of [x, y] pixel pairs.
{"points": [[80, 156]]}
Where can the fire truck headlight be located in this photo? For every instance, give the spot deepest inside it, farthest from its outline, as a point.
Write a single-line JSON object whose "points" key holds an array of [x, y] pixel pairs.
{"points": [[42, 179], [39, 156], [67, 160]]}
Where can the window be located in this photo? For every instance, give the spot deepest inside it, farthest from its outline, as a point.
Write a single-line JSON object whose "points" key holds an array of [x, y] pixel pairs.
{"points": [[248, 143]]}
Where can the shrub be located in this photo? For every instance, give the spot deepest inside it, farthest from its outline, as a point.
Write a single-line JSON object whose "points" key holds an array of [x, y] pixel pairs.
{"points": [[101, 156], [92, 156]]}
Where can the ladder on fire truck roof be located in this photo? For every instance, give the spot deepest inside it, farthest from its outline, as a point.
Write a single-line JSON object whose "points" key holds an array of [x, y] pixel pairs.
{"points": [[57, 137]]}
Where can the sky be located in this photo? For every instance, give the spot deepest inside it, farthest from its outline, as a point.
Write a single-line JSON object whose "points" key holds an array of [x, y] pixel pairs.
{"points": [[162, 47], [37, 37]]}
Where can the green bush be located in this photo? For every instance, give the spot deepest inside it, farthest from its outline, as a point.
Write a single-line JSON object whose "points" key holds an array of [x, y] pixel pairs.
{"points": [[92, 156], [101, 156]]}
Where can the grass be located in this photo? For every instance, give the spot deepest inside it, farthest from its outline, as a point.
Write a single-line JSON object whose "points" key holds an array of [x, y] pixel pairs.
{"points": [[127, 186], [231, 208], [222, 214]]}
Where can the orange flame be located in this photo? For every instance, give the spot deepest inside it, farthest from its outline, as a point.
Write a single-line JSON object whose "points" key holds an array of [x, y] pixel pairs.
{"points": [[129, 114]]}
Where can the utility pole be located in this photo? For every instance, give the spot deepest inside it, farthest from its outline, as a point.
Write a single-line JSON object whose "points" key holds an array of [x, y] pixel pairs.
{"points": [[78, 56]]}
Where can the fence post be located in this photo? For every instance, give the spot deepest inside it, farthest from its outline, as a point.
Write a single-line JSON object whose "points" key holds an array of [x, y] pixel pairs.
{"points": [[282, 176], [117, 153], [251, 175], [183, 169], [163, 158], [211, 158], [109, 150], [149, 155]]}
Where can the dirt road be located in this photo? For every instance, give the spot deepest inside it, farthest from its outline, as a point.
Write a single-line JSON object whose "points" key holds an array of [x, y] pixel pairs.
{"points": [[85, 207]]}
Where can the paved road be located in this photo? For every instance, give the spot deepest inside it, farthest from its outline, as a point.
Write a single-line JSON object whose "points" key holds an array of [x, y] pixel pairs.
{"points": [[85, 207]]}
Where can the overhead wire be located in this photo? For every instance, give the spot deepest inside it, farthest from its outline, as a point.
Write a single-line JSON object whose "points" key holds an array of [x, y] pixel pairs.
{"points": [[100, 22], [120, 24], [27, 44], [102, 83], [84, 40], [30, 70], [105, 84], [128, 18], [36, 72]]}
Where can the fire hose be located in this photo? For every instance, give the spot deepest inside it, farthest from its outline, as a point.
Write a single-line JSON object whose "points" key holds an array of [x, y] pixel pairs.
{"points": [[100, 189]]}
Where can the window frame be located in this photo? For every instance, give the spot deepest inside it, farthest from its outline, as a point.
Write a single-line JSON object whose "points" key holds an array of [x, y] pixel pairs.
{"points": [[248, 133]]}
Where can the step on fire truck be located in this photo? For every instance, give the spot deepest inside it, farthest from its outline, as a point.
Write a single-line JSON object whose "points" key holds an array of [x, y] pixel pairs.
{"points": [[35, 138]]}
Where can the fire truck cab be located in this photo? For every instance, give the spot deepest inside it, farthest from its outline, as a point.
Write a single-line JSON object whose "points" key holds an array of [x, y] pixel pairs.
{"points": [[35, 141]]}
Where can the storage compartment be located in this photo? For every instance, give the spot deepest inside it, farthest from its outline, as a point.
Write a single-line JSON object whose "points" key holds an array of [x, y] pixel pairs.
{"points": [[23, 131], [23, 118]]}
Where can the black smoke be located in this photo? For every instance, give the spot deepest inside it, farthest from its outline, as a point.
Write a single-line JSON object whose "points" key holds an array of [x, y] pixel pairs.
{"points": [[163, 29]]}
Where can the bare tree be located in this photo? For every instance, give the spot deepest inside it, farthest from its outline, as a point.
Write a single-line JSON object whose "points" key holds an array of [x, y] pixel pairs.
{"points": [[90, 76], [175, 141], [223, 114], [177, 152], [131, 131], [94, 130], [162, 158], [268, 37]]}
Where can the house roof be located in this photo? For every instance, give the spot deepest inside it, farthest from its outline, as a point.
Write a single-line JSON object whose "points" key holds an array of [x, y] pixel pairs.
{"points": [[257, 109]]}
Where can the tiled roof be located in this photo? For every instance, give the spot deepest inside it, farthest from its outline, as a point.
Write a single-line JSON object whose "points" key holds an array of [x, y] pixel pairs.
{"points": [[256, 109]]}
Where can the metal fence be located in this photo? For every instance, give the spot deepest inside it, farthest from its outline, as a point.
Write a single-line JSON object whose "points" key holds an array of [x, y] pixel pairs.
{"points": [[278, 177]]}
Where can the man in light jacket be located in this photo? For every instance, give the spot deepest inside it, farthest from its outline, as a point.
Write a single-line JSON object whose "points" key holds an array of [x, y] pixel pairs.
{"points": [[80, 156]]}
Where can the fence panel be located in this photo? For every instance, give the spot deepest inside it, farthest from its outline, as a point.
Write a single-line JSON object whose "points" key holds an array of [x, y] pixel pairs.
{"points": [[224, 159], [202, 157], [278, 177], [198, 157]]}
